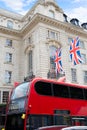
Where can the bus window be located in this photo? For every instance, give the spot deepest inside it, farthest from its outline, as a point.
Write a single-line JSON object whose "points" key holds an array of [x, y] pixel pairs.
{"points": [[76, 93], [85, 93], [60, 90], [43, 88], [35, 121], [81, 121], [14, 122], [62, 117]]}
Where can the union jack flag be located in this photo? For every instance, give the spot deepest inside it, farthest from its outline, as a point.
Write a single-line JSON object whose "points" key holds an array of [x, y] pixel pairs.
{"points": [[58, 62], [75, 55]]}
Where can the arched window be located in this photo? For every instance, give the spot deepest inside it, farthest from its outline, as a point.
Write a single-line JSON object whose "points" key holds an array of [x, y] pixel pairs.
{"points": [[52, 72], [52, 54]]}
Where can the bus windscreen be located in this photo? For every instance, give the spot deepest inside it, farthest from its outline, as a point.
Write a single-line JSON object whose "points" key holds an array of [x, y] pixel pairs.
{"points": [[20, 91], [18, 97]]}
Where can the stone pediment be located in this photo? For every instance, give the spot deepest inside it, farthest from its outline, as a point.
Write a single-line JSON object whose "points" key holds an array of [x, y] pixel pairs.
{"points": [[53, 42]]}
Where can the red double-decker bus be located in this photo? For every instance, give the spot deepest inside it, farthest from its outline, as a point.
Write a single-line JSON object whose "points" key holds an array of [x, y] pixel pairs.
{"points": [[45, 102]]}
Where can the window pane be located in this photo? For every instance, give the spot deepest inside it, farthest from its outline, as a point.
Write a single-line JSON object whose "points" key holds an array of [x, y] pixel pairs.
{"points": [[59, 120], [52, 54], [52, 69], [14, 122], [76, 93], [85, 76], [35, 121], [8, 75], [52, 35], [8, 57], [51, 14], [5, 96], [20, 91], [30, 61], [85, 93], [60, 90], [43, 88], [62, 112], [82, 44], [8, 42], [83, 56], [73, 74], [9, 24], [69, 40]]}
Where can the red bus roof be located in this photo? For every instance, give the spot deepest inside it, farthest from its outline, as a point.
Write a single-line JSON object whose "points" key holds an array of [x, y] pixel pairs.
{"points": [[59, 81]]}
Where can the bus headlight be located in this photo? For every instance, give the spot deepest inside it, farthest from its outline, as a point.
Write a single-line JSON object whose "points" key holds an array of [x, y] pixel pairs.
{"points": [[3, 129]]}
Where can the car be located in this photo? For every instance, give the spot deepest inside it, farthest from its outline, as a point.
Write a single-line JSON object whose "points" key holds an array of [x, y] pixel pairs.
{"points": [[54, 127], [75, 128], [63, 128]]}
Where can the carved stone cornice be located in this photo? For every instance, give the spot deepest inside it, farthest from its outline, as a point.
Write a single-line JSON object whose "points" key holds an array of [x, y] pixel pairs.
{"points": [[53, 42], [43, 19], [68, 27], [73, 29], [8, 31], [39, 18]]}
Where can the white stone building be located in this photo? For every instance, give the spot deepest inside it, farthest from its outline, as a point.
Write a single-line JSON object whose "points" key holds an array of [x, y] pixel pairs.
{"points": [[27, 43]]}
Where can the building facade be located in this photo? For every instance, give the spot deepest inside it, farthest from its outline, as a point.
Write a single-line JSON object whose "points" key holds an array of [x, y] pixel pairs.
{"points": [[29, 42]]}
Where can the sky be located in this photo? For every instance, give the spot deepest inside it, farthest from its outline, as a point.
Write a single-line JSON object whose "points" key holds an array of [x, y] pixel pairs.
{"points": [[73, 8]]}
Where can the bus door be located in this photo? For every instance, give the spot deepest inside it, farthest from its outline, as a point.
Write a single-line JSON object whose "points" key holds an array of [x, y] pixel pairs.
{"points": [[78, 121]]}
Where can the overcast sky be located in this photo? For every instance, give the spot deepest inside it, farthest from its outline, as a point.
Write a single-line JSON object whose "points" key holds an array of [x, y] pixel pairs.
{"points": [[73, 8]]}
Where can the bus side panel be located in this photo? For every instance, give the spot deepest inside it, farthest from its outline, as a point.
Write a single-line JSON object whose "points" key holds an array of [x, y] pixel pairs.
{"points": [[47, 104]]}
